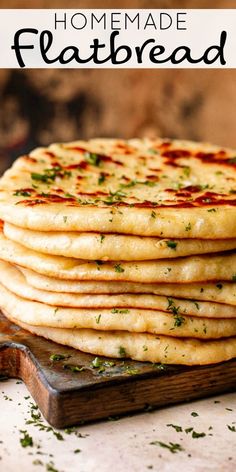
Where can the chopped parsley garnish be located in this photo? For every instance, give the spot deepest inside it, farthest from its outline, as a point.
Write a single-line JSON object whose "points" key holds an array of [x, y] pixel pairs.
{"points": [[92, 158], [36, 421], [177, 428], [153, 214], [58, 435], [177, 185], [149, 183], [132, 183], [73, 368], [173, 447], [102, 237], [99, 263], [50, 175], [50, 467], [98, 363], [22, 193], [188, 227], [219, 286], [171, 244], [122, 352], [211, 210], [179, 320], [145, 348], [231, 428], [118, 268], [97, 318], [131, 371], [27, 440], [58, 357], [196, 435], [234, 277], [196, 305], [65, 219], [101, 178], [186, 171], [121, 312], [172, 307], [114, 197], [188, 430], [194, 413]]}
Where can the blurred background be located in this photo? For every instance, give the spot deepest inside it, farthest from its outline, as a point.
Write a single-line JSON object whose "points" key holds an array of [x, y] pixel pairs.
{"points": [[38, 107]]}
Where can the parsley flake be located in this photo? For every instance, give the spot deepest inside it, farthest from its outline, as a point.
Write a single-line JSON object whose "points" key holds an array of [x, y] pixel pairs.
{"points": [[196, 435], [231, 428], [97, 318], [73, 368], [50, 175], [173, 447], [58, 357], [188, 227], [101, 178], [121, 312], [122, 352], [22, 193], [177, 428], [118, 268], [171, 244], [92, 158], [27, 440]]}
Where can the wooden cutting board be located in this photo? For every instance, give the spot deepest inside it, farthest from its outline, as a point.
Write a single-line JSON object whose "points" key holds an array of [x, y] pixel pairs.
{"points": [[68, 397]]}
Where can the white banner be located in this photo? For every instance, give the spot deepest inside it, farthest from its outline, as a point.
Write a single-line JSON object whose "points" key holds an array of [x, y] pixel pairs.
{"points": [[151, 39]]}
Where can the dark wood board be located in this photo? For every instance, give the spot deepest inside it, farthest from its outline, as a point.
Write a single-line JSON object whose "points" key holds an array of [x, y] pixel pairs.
{"points": [[66, 398]]}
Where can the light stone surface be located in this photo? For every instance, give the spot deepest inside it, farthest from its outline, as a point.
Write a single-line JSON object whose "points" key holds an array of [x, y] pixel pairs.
{"points": [[122, 445]]}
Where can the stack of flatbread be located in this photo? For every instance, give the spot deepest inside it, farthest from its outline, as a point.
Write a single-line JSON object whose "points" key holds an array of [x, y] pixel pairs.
{"points": [[123, 248]]}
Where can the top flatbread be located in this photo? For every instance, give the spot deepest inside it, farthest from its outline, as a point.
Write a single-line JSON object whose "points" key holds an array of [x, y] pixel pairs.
{"points": [[173, 189]]}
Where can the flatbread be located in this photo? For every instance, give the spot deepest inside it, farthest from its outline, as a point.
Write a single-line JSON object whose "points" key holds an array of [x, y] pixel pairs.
{"points": [[169, 189], [132, 320], [112, 247], [220, 292], [184, 270], [138, 346], [12, 279]]}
